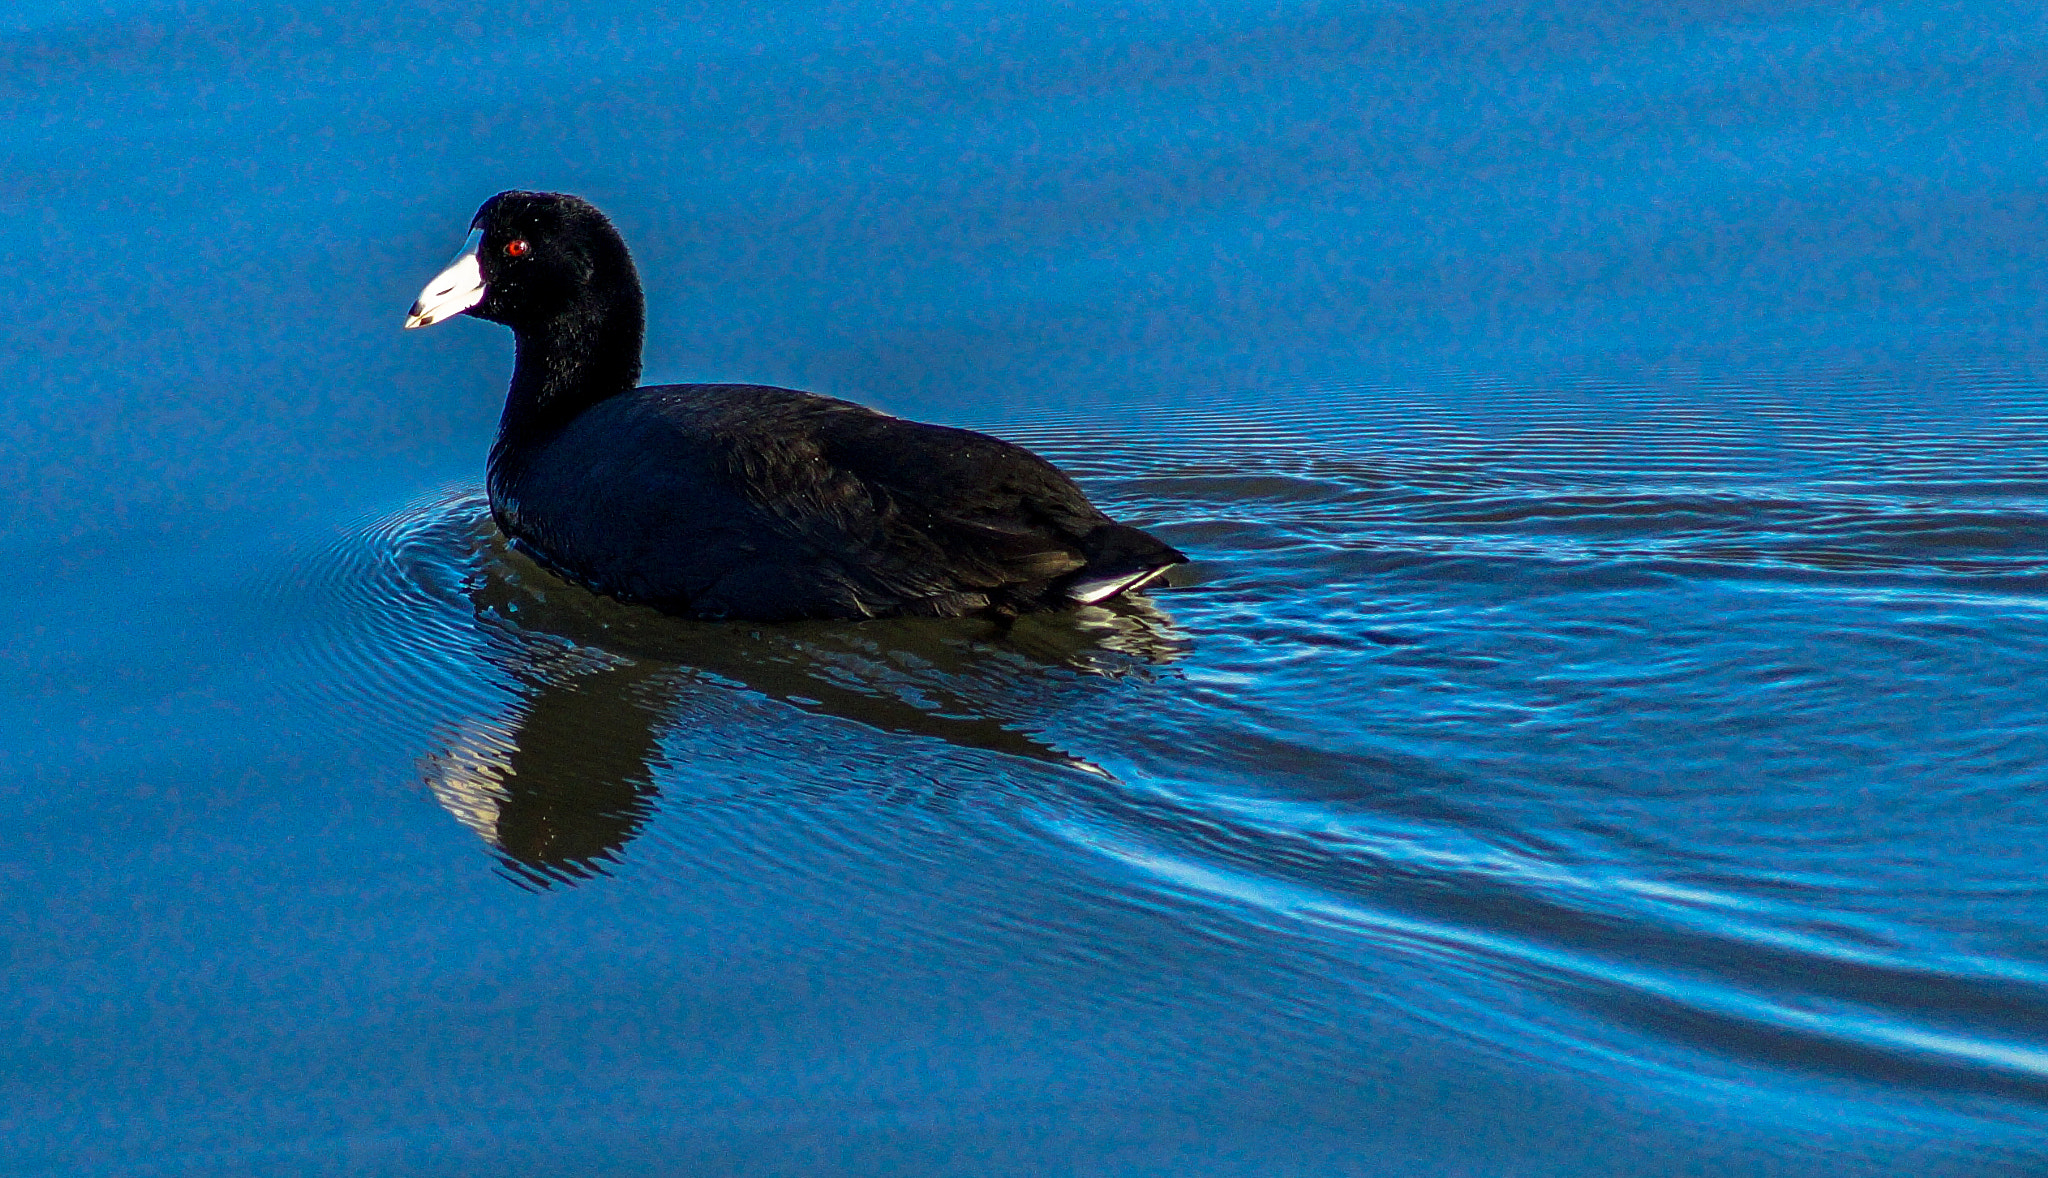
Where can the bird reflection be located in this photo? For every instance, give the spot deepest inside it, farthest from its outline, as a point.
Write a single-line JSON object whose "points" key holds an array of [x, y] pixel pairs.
{"points": [[563, 777]]}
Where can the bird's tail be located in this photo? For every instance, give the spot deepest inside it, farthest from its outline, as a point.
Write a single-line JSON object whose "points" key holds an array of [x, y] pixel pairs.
{"points": [[1120, 558]]}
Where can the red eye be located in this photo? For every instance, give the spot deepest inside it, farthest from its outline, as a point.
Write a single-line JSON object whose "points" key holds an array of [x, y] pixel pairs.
{"points": [[514, 249]]}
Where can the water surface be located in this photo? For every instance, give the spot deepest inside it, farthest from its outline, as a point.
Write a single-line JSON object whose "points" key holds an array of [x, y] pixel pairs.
{"points": [[1598, 734]]}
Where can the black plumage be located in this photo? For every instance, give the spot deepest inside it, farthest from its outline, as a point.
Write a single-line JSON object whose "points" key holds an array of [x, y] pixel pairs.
{"points": [[743, 501]]}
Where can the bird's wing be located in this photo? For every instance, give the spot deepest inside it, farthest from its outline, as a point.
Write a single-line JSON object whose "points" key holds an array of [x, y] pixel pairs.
{"points": [[911, 511]]}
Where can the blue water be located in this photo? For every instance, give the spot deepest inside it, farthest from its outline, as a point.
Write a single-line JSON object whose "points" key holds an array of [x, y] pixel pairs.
{"points": [[1599, 734]]}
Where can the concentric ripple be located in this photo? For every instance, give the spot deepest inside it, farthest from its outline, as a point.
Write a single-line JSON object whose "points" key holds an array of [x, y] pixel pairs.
{"points": [[556, 718]]}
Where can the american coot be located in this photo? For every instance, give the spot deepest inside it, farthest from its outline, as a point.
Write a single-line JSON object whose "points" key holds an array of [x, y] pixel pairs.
{"points": [[743, 501]]}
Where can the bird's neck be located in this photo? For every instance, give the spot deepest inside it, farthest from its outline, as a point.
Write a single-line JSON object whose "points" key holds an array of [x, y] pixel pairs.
{"points": [[567, 363]]}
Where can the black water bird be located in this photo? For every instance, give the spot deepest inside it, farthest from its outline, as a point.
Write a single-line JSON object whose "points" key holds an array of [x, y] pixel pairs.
{"points": [[744, 501]]}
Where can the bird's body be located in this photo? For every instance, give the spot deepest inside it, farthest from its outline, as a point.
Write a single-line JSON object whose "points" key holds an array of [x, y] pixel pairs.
{"points": [[763, 503], [743, 501]]}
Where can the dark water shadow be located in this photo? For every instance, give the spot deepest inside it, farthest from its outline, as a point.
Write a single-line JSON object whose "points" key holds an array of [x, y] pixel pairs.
{"points": [[562, 778]]}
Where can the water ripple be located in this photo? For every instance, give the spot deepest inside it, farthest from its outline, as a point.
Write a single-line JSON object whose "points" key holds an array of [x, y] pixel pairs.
{"points": [[1640, 739]]}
